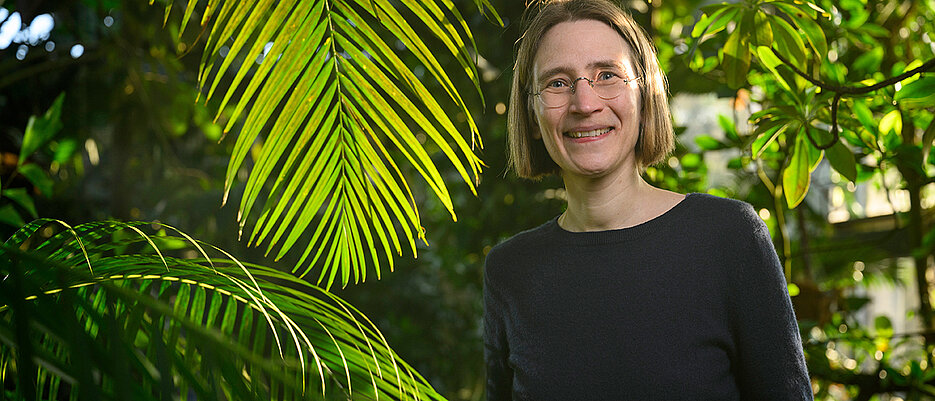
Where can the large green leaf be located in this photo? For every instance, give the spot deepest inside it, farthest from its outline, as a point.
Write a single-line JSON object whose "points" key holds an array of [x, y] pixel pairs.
{"points": [[796, 177], [737, 56], [769, 59], [802, 17], [151, 325], [918, 93], [333, 115], [842, 159], [789, 43]]}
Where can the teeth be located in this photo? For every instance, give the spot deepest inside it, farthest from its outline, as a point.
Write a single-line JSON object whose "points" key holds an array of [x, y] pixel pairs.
{"points": [[586, 134]]}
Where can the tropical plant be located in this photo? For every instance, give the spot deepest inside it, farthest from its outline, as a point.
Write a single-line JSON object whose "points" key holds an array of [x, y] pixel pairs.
{"points": [[849, 82], [337, 94], [105, 311]]}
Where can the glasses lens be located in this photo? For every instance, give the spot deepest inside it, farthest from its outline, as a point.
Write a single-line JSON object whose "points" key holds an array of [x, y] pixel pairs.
{"points": [[555, 97], [608, 88]]}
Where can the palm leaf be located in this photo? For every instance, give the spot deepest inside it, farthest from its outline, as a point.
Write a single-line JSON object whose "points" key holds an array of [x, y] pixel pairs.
{"points": [[206, 328], [334, 117]]}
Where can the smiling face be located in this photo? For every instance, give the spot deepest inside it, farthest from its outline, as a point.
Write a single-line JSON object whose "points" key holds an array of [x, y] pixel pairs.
{"points": [[589, 136]]}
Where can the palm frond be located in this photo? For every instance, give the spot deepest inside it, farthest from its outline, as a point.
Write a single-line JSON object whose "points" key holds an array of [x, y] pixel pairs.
{"points": [[331, 113], [149, 325]]}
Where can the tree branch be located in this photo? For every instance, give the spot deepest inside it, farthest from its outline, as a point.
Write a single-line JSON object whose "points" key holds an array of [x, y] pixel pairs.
{"points": [[849, 90]]}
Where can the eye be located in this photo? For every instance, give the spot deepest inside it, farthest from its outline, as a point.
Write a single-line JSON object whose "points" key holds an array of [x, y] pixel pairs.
{"points": [[606, 75], [556, 84]]}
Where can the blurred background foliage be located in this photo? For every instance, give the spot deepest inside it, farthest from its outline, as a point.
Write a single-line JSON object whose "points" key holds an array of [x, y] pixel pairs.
{"points": [[790, 106]]}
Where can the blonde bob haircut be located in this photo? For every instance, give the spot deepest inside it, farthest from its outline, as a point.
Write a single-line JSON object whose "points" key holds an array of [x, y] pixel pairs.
{"points": [[528, 156]]}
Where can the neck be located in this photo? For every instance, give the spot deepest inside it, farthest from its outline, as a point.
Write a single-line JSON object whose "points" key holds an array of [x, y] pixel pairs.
{"points": [[613, 202]]}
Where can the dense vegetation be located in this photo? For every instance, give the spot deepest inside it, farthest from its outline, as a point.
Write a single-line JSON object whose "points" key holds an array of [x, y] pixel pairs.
{"points": [[829, 99]]}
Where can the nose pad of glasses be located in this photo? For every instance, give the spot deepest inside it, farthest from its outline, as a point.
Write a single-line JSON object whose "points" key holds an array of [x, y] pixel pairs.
{"points": [[574, 84]]}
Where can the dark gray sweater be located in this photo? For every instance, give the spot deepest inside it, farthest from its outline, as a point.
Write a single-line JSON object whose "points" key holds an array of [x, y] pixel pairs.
{"points": [[691, 305]]}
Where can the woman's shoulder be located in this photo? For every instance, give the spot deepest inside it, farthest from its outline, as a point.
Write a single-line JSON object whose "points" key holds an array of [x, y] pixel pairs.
{"points": [[525, 242], [723, 213]]}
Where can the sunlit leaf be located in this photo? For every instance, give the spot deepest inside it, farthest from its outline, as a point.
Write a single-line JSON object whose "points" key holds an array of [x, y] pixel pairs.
{"points": [[788, 42], [769, 59], [178, 326], [918, 93], [796, 177], [334, 92], [767, 137], [762, 32], [892, 122], [710, 24], [813, 33], [736, 60]]}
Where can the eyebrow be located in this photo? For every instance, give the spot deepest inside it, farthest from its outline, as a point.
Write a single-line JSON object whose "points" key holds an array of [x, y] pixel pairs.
{"points": [[594, 65]]}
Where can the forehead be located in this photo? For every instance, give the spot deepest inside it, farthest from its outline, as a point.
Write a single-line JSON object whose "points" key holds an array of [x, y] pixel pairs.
{"points": [[577, 46]]}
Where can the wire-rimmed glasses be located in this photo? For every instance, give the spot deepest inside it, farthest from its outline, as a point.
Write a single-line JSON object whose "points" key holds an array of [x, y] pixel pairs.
{"points": [[558, 93]]}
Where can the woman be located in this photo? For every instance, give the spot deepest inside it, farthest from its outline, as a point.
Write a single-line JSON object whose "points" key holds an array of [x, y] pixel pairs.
{"points": [[634, 291]]}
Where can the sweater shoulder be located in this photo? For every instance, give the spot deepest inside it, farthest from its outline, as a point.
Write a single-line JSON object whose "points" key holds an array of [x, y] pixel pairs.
{"points": [[724, 214], [518, 246]]}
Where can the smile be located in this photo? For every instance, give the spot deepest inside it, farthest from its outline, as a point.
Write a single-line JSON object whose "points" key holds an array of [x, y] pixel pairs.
{"points": [[587, 134]]}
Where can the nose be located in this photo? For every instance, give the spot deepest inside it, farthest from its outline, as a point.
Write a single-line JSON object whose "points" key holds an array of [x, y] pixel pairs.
{"points": [[583, 98]]}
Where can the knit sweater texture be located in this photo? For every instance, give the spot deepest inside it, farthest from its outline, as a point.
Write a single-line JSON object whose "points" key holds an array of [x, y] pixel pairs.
{"points": [[691, 305]]}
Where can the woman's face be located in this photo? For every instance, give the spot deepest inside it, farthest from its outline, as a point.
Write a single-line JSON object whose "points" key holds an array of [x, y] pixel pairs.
{"points": [[589, 136]]}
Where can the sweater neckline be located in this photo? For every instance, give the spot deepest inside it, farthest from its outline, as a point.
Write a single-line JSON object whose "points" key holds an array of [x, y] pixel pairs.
{"points": [[669, 217]]}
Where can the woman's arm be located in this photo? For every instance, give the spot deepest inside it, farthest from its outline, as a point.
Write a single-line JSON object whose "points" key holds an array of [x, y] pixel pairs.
{"points": [[769, 363], [496, 348]]}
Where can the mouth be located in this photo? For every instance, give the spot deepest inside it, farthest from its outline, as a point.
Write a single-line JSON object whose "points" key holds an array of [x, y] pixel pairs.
{"points": [[587, 134]]}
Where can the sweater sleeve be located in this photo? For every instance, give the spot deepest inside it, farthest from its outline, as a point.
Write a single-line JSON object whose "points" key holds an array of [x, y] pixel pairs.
{"points": [[769, 362], [496, 348]]}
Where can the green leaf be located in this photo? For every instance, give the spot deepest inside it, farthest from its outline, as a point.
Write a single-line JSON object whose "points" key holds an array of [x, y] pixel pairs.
{"points": [[918, 93], [728, 126], [64, 150], [40, 130], [797, 174], [767, 137], [690, 161], [336, 91], [891, 123], [706, 142], [736, 60], [9, 216], [23, 199], [864, 115], [927, 137], [868, 62], [788, 42], [714, 22], [37, 177], [842, 159], [288, 332], [762, 32], [769, 59], [813, 33], [815, 154]]}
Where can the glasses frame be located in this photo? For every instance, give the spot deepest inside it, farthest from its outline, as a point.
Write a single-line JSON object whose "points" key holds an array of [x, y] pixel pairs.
{"points": [[574, 87]]}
